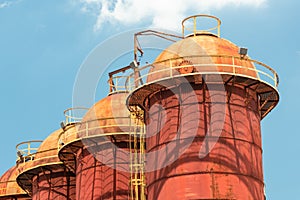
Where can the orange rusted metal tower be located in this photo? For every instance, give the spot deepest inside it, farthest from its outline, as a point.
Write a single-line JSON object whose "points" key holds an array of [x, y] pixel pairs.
{"points": [[203, 99]]}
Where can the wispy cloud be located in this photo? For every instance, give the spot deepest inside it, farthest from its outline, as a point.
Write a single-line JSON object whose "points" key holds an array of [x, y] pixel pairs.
{"points": [[5, 4], [158, 13]]}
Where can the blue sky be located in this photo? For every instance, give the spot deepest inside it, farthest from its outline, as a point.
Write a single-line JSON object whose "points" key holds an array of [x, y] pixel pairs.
{"points": [[44, 43]]}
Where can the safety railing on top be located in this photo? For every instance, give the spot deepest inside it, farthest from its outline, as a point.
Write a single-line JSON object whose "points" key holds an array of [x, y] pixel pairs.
{"points": [[120, 84], [27, 150], [74, 115], [97, 127], [191, 26], [203, 65]]}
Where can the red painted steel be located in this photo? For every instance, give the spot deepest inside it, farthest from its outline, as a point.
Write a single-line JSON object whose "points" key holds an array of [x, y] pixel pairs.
{"points": [[58, 185], [96, 180], [102, 162], [233, 168], [9, 189], [50, 179]]}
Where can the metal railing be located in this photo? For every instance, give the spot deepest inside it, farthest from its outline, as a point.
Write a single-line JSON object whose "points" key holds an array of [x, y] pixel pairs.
{"points": [[27, 150], [203, 65], [42, 161], [74, 115], [94, 128], [192, 26], [120, 84]]}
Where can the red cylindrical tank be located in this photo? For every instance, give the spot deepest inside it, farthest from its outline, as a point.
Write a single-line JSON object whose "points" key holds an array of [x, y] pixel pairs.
{"points": [[102, 170], [186, 159], [9, 188], [231, 170], [45, 177]]}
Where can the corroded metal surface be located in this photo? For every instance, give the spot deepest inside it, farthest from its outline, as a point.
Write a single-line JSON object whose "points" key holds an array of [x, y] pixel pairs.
{"points": [[182, 86], [46, 177], [233, 168], [9, 189], [108, 115], [58, 185], [102, 170], [201, 45], [96, 180]]}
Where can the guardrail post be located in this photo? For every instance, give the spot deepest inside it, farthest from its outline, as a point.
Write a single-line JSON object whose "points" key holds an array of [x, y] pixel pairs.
{"points": [[233, 65], [28, 150]]}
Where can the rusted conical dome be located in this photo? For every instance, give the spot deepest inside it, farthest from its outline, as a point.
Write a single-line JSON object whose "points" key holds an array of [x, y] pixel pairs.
{"points": [[109, 115], [201, 53]]}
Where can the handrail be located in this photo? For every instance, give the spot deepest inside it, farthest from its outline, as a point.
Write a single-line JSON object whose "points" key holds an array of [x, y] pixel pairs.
{"points": [[262, 72], [64, 138], [30, 153], [119, 84], [24, 168], [74, 115], [26, 150]]}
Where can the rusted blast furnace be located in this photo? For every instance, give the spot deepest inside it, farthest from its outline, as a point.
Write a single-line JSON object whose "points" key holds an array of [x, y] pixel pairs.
{"points": [[204, 99]]}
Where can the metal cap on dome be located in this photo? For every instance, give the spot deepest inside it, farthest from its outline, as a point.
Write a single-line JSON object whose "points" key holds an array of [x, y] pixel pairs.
{"points": [[196, 25]]}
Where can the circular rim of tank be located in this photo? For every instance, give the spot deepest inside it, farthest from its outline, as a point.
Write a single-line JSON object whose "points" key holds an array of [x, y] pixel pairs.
{"points": [[11, 179], [149, 87], [24, 179]]}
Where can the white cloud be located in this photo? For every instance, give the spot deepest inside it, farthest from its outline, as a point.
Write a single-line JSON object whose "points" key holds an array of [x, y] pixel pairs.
{"points": [[5, 4], [159, 13], [8, 3]]}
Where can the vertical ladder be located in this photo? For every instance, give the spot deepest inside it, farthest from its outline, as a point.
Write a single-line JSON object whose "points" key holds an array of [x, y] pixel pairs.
{"points": [[137, 154]]}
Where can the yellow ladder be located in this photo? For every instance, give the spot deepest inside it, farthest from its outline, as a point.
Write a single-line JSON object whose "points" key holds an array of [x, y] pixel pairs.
{"points": [[137, 154]]}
